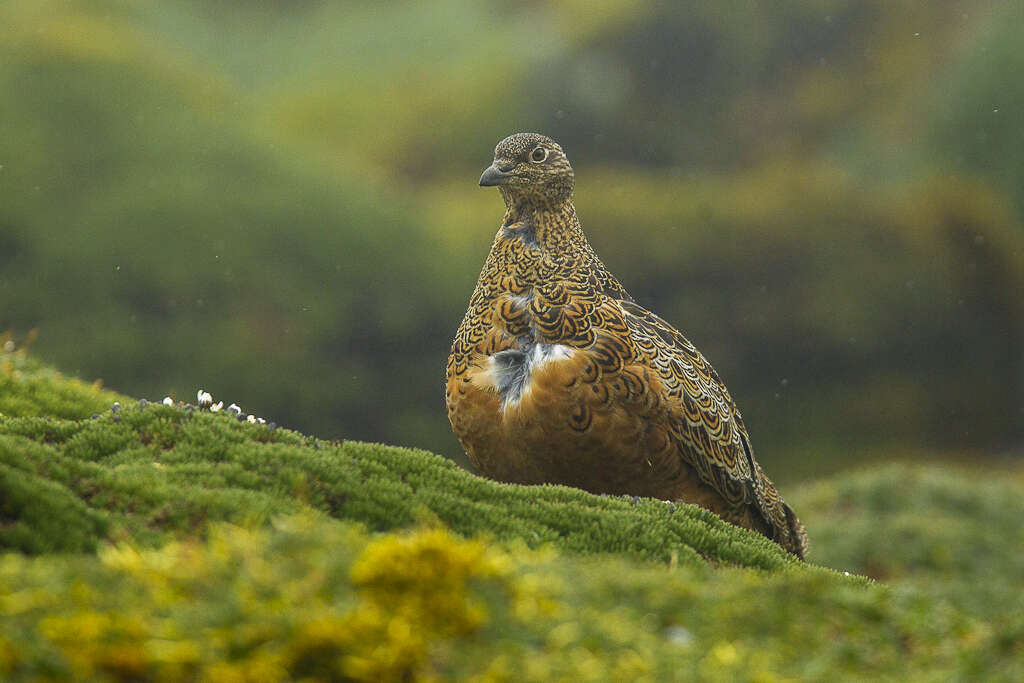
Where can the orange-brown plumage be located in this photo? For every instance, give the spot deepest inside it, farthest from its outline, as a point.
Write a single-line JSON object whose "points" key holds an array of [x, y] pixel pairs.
{"points": [[557, 376]]}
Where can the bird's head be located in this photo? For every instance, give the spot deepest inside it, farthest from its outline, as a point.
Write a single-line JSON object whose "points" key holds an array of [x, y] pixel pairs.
{"points": [[530, 167]]}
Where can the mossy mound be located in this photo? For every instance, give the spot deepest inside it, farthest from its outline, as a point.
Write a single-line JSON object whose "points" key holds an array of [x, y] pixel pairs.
{"points": [[908, 521], [149, 472], [197, 545], [30, 388], [953, 534]]}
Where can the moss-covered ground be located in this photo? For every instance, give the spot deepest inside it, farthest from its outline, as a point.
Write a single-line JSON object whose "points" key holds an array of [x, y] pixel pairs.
{"points": [[160, 542]]}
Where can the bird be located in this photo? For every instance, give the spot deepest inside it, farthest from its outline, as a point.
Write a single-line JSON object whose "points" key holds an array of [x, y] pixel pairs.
{"points": [[557, 376]]}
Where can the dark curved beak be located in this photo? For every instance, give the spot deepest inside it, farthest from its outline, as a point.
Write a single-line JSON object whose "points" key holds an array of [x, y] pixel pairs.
{"points": [[494, 176]]}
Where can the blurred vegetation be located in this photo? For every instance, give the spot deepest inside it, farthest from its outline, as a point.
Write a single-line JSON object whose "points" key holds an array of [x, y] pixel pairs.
{"points": [[211, 568], [321, 601], [277, 201], [954, 533]]}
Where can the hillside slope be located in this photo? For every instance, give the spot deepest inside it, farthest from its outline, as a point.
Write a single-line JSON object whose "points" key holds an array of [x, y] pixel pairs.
{"points": [[146, 472], [172, 542]]}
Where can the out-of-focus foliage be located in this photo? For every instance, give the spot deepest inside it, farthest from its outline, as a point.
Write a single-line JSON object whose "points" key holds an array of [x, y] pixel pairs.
{"points": [[955, 533], [277, 201], [975, 122], [313, 598]]}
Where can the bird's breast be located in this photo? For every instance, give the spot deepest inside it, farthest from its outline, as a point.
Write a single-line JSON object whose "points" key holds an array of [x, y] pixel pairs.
{"points": [[513, 373]]}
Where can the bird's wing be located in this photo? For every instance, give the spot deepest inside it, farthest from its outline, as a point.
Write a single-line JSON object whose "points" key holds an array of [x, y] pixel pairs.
{"points": [[703, 417]]}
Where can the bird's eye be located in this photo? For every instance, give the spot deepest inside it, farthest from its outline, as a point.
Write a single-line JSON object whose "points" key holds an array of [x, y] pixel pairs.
{"points": [[538, 155]]}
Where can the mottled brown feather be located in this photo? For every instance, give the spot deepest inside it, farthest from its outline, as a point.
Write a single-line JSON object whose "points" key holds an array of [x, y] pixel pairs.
{"points": [[557, 376]]}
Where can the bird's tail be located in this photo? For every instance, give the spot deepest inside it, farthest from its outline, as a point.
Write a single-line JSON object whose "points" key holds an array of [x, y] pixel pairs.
{"points": [[793, 537]]}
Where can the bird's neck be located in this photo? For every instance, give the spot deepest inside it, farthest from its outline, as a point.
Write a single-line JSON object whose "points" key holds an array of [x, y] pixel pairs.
{"points": [[550, 226], [540, 241]]}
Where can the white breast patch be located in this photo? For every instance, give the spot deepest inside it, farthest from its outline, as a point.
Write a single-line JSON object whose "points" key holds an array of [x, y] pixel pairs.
{"points": [[509, 371]]}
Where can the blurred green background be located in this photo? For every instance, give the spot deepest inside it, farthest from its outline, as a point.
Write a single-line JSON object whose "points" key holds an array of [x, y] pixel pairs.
{"points": [[277, 202]]}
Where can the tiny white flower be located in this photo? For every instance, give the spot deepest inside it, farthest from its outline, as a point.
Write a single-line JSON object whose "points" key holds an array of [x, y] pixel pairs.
{"points": [[168, 401], [251, 419], [216, 406], [116, 407], [261, 420], [679, 636], [203, 398], [233, 408]]}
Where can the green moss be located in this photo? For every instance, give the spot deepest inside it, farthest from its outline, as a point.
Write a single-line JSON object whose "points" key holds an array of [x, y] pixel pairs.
{"points": [[293, 557], [154, 472], [148, 473], [38, 515], [27, 387], [952, 534]]}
